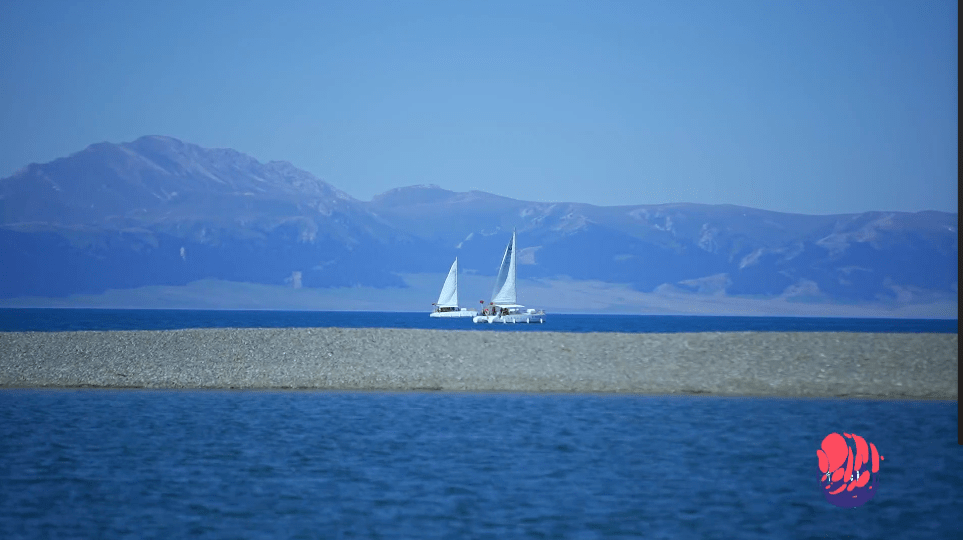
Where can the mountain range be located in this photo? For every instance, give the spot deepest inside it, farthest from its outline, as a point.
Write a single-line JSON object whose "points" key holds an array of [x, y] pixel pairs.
{"points": [[161, 212]]}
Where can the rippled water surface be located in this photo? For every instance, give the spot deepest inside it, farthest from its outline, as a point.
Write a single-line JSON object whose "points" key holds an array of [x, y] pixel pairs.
{"points": [[232, 464]]}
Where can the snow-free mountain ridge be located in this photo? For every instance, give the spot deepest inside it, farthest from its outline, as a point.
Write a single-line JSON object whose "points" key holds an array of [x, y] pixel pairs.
{"points": [[159, 211]]}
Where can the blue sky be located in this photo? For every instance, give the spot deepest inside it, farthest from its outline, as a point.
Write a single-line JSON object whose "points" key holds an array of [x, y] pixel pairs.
{"points": [[811, 106]]}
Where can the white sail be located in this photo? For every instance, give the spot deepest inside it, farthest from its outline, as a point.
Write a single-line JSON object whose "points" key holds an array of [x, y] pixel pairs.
{"points": [[504, 292], [449, 292], [506, 310]]}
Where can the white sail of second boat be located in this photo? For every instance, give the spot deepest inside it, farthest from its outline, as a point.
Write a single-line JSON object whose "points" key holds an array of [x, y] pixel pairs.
{"points": [[504, 291], [503, 307]]}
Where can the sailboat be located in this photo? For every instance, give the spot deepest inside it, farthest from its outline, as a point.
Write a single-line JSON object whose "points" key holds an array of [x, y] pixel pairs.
{"points": [[447, 304], [503, 307]]}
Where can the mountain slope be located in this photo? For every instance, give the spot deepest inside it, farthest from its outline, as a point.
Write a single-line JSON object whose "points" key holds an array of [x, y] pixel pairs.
{"points": [[158, 211], [701, 248]]}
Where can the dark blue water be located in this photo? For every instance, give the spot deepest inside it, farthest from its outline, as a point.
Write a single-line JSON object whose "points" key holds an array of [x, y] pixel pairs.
{"points": [[170, 464], [168, 319], [220, 464]]}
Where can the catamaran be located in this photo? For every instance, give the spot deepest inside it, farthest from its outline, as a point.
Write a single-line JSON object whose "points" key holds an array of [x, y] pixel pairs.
{"points": [[447, 304], [503, 307]]}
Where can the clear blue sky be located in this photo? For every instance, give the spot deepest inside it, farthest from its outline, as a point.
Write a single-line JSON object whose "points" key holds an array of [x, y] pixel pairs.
{"points": [[800, 106]]}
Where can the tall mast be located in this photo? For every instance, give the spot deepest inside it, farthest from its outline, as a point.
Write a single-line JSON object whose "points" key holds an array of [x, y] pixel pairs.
{"points": [[514, 265]]}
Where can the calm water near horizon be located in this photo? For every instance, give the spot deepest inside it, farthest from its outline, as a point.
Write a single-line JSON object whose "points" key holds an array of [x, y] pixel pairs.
{"points": [[67, 319], [251, 464]]}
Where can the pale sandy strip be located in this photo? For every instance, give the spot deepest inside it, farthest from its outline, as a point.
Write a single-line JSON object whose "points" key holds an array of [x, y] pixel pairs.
{"points": [[914, 366]]}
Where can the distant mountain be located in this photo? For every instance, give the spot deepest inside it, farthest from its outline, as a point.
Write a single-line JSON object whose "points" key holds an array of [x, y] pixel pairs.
{"points": [[165, 183], [158, 211], [711, 249]]}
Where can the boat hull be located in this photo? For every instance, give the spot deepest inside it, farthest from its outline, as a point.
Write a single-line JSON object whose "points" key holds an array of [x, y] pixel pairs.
{"points": [[453, 314], [514, 318]]}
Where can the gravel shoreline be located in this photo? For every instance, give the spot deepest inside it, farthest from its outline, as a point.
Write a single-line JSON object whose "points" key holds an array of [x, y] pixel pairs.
{"points": [[818, 364]]}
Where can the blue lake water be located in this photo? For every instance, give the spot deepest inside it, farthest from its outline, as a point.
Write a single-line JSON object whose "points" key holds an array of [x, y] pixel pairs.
{"points": [[244, 464], [39, 319]]}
